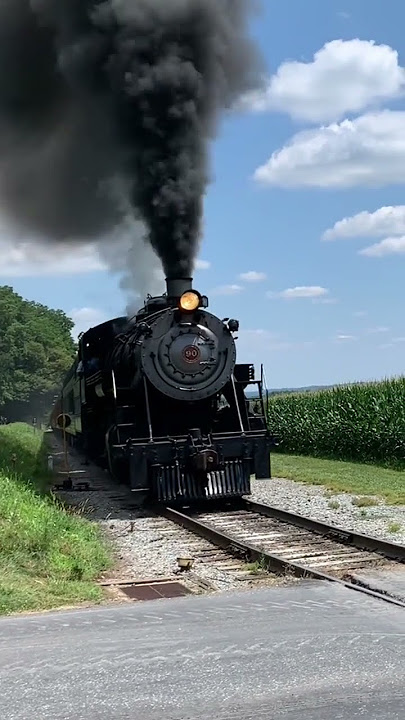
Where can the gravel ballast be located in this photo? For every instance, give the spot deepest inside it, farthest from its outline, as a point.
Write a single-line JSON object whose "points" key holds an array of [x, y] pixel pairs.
{"points": [[147, 546], [316, 502]]}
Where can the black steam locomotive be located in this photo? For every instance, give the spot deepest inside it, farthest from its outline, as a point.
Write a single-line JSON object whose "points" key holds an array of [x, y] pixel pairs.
{"points": [[160, 400]]}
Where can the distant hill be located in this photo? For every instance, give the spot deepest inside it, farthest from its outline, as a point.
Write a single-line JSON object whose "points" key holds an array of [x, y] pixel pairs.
{"points": [[308, 388], [280, 391]]}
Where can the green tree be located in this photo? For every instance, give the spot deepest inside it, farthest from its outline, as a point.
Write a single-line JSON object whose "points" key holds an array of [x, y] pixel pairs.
{"points": [[36, 348]]}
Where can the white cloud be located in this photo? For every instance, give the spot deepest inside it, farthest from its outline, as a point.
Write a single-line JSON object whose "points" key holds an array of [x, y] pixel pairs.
{"points": [[304, 291], [252, 276], [344, 338], [227, 290], [389, 246], [202, 264], [368, 151], [31, 258], [345, 76], [85, 317], [360, 313], [388, 220], [121, 252]]}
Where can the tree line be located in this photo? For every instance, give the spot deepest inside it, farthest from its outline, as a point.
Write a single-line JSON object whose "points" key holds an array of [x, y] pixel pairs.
{"points": [[36, 350]]}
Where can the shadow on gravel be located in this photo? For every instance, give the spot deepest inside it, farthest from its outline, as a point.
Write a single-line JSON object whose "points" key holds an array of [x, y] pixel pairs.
{"points": [[105, 500]]}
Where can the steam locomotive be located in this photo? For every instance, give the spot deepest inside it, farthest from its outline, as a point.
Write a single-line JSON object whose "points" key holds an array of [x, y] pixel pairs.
{"points": [[160, 401]]}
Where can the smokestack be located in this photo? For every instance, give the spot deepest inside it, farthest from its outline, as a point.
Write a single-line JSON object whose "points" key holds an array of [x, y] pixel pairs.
{"points": [[177, 286]]}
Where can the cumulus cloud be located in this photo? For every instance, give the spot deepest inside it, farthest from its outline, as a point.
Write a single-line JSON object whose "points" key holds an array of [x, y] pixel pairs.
{"points": [[202, 265], [303, 291], [345, 76], [387, 220], [86, 317], [252, 276], [388, 246], [368, 151], [21, 257], [227, 290], [31, 259]]}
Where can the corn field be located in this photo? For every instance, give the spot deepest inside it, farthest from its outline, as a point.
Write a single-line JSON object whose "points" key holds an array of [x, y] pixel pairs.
{"points": [[363, 422]]}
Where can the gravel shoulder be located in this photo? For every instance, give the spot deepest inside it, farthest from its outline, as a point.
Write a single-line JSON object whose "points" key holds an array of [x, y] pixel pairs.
{"points": [[378, 520]]}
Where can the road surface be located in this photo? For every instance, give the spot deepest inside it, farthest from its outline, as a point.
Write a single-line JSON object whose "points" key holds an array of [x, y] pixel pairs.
{"points": [[311, 651]]}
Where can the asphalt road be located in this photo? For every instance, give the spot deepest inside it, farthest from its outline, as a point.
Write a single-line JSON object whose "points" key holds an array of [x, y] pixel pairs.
{"points": [[309, 652]]}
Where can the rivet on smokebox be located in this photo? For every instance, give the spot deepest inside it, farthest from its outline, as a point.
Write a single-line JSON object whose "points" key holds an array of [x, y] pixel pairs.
{"points": [[185, 563]]}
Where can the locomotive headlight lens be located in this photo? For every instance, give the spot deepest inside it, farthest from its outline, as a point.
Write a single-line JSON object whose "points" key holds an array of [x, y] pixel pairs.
{"points": [[189, 301]]}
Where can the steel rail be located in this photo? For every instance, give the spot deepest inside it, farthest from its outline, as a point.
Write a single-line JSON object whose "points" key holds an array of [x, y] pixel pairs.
{"points": [[347, 537], [272, 562]]}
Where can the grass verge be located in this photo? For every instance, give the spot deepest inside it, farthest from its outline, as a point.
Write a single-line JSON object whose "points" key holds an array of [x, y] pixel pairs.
{"points": [[49, 556], [342, 476]]}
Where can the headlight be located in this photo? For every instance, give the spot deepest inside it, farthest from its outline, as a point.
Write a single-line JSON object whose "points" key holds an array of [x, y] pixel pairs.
{"points": [[189, 301]]}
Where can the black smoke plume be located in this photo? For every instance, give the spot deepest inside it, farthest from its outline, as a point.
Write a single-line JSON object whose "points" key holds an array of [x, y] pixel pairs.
{"points": [[107, 108]]}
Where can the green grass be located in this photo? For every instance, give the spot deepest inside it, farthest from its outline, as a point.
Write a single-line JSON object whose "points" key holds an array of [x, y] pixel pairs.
{"points": [[364, 501], [394, 527], [334, 504], [49, 557], [258, 567], [363, 423], [338, 476]]}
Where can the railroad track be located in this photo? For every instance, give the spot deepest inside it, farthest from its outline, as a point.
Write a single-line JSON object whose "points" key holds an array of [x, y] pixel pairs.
{"points": [[283, 542], [103, 499], [276, 540]]}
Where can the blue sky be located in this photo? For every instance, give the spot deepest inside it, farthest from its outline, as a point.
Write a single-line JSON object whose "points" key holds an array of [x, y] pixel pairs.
{"points": [[325, 143]]}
